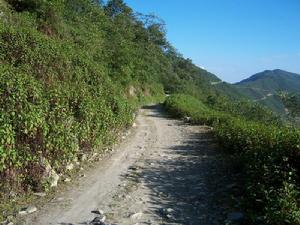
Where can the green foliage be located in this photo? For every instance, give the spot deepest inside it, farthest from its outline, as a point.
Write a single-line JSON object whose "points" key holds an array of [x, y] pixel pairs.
{"points": [[245, 108], [22, 118], [66, 68], [291, 102], [73, 72], [270, 153], [180, 105], [284, 207]]}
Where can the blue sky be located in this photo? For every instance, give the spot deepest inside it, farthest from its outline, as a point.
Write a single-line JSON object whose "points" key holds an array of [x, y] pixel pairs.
{"points": [[232, 38]]}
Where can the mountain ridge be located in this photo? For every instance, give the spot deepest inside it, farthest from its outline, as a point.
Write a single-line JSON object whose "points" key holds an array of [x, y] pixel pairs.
{"points": [[265, 86], [267, 73]]}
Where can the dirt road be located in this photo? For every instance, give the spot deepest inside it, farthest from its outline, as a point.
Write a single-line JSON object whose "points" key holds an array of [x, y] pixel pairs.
{"points": [[166, 172]]}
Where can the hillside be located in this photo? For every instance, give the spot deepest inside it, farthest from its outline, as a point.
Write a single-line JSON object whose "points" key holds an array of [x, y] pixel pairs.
{"points": [[72, 74], [264, 87], [273, 80]]}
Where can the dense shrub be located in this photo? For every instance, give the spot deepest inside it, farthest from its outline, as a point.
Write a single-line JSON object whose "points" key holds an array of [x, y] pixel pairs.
{"points": [[181, 105], [65, 68], [72, 73], [270, 156]]}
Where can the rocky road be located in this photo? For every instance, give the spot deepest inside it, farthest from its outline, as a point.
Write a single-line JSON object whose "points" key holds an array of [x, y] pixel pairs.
{"points": [[165, 172]]}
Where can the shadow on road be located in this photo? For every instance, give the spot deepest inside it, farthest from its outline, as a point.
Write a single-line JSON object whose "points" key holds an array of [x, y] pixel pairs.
{"points": [[190, 183]]}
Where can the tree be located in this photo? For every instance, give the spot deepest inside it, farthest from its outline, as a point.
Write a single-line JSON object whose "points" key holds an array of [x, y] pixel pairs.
{"points": [[114, 8]]}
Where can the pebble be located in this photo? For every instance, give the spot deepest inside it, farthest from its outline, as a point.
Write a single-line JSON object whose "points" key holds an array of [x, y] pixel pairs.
{"points": [[136, 216], [31, 209], [82, 157], [169, 210], [70, 166], [40, 194], [169, 216], [28, 210], [22, 212], [54, 177], [67, 180]]}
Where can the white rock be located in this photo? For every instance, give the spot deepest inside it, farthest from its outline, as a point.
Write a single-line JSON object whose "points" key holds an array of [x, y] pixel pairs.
{"points": [[54, 177], [40, 194], [102, 218], [28, 210], [169, 216], [169, 210], [70, 166], [31, 209], [134, 125], [82, 157], [67, 180], [49, 173], [23, 213], [136, 216]]}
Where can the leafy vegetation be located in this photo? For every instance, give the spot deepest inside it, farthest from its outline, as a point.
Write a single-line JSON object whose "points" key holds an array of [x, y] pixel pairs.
{"points": [[270, 154], [291, 102], [72, 74]]}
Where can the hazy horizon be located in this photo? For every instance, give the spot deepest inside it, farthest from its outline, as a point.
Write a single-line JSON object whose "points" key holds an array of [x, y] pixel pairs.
{"points": [[233, 39]]}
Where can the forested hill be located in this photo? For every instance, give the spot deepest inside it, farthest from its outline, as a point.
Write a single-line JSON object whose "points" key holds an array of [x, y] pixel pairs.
{"points": [[265, 87], [72, 72], [273, 80], [66, 39]]}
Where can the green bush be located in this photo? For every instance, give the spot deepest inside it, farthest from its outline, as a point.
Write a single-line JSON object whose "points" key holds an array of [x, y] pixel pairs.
{"points": [[270, 155], [65, 68]]}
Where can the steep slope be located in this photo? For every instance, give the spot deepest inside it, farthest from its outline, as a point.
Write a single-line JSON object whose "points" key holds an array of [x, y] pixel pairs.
{"points": [[264, 87], [72, 74]]}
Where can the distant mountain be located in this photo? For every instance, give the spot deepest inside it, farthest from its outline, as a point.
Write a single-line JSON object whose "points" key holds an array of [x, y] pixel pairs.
{"points": [[264, 87], [273, 80]]}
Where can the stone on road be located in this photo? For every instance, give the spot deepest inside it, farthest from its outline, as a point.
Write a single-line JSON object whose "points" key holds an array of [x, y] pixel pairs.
{"points": [[165, 172]]}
